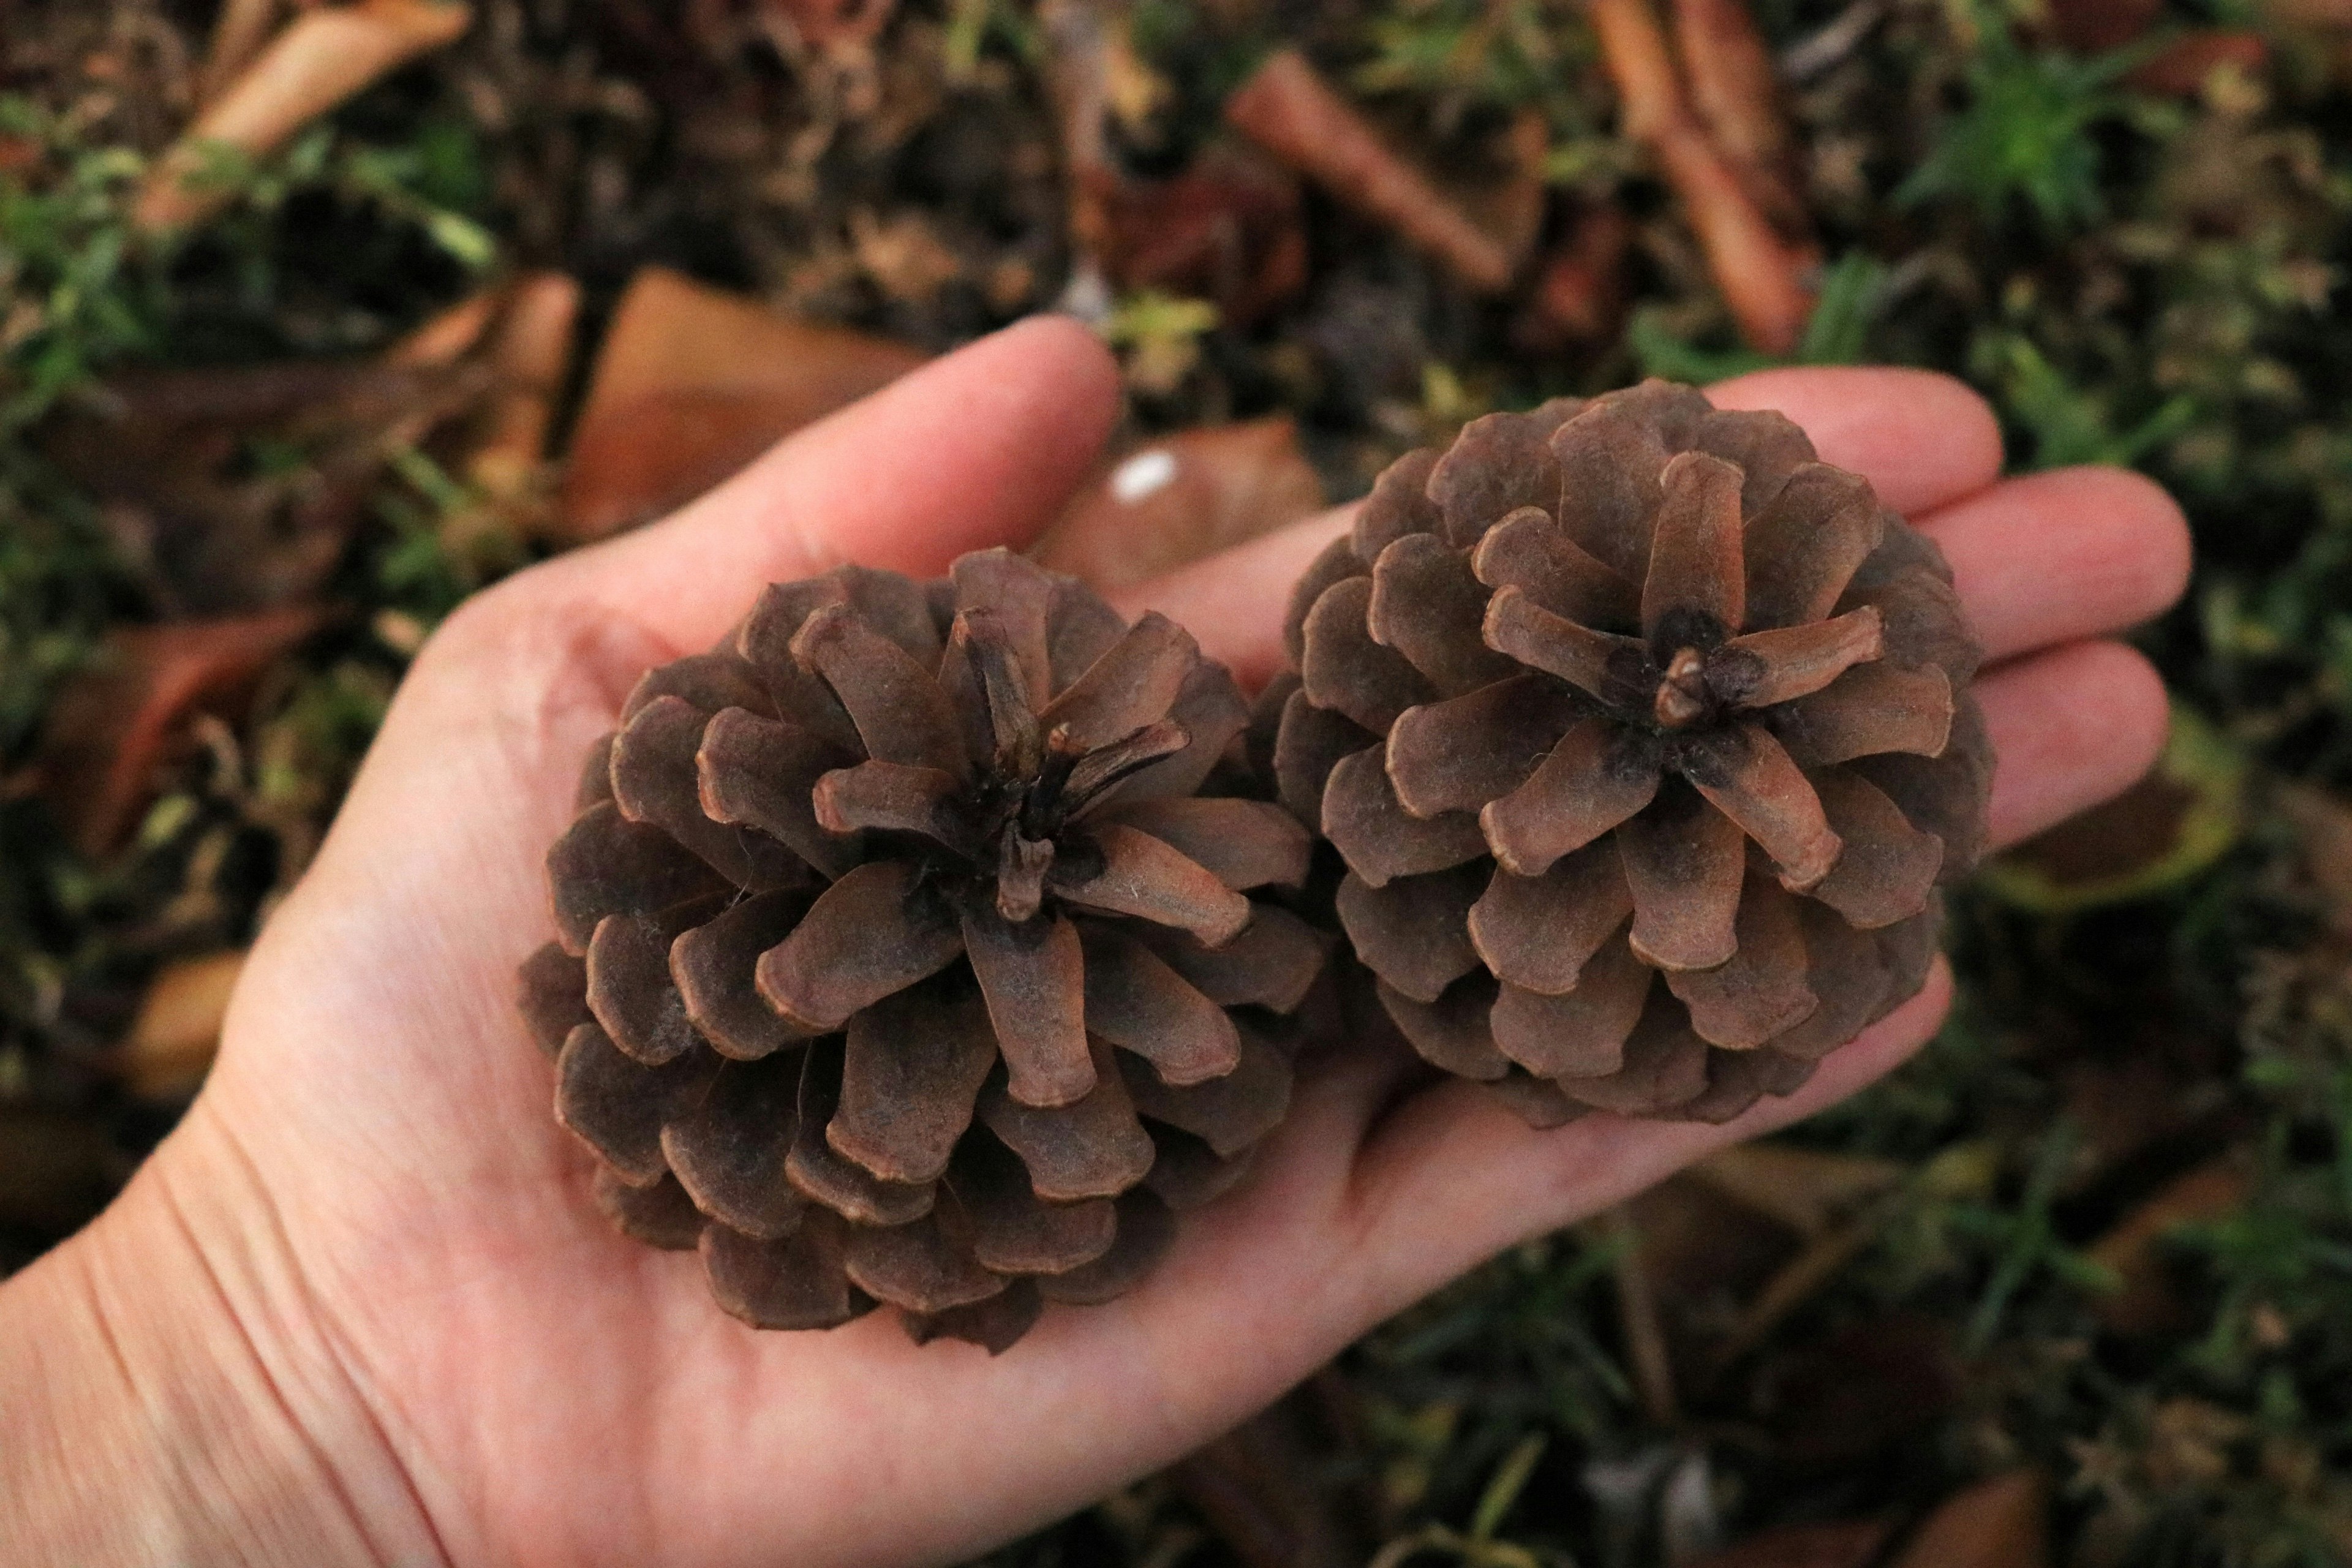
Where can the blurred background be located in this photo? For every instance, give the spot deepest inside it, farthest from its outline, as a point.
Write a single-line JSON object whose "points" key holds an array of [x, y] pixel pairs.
{"points": [[316, 318]]}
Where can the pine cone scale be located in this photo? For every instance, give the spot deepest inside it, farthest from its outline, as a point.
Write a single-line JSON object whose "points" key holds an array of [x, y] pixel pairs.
{"points": [[1034, 977], [1696, 587], [1539, 932], [874, 931], [912, 1066]]}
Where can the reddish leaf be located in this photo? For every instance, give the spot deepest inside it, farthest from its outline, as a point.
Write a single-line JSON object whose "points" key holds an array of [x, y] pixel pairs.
{"points": [[122, 717], [691, 385]]}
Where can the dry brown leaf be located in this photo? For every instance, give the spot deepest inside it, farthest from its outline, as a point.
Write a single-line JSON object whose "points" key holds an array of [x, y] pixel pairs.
{"points": [[171, 1042], [1226, 229], [1996, 1523], [170, 452], [322, 57], [1181, 498], [1288, 109], [2189, 62], [691, 383], [2093, 27], [2133, 1248], [114, 723], [1850, 1544]]}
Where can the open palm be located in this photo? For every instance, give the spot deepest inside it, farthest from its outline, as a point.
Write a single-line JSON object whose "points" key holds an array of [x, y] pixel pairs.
{"points": [[470, 1363]]}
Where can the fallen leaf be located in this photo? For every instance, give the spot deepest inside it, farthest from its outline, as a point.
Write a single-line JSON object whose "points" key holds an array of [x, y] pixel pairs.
{"points": [[171, 1042], [214, 531], [1181, 498], [2190, 61], [1287, 108], [118, 720], [691, 383], [1227, 229], [2093, 27], [1996, 1523], [2146, 1302], [1850, 1544], [322, 57]]}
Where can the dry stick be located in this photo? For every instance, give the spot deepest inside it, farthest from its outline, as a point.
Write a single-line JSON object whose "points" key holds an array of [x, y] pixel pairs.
{"points": [[238, 34], [1757, 272], [1735, 92], [531, 352], [321, 58], [1733, 88], [1637, 1309], [1290, 111]]}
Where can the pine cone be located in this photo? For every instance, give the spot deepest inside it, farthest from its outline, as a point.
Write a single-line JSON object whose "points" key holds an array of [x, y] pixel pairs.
{"points": [[1646, 740], [900, 958]]}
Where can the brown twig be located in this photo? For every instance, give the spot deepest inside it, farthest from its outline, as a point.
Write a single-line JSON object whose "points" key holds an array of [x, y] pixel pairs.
{"points": [[1735, 93], [1759, 273], [240, 32], [1289, 109], [530, 352], [321, 58]]}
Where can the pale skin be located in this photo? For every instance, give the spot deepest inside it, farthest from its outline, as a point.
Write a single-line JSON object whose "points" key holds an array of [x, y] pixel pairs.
{"points": [[359, 1309]]}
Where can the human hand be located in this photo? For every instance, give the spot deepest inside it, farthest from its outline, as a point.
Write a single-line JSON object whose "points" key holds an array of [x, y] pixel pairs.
{"points": [[361, 1306]]}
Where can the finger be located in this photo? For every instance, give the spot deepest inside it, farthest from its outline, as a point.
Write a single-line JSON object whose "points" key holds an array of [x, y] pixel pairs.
{"points": [[1455, 1176], [2070, 728], [980, 447], [1922, 440], [2074, 553], [1233, 601]]}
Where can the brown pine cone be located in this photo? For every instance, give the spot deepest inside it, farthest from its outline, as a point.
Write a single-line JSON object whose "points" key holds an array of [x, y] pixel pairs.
{"points": [[1646, 739], [900, 960]]}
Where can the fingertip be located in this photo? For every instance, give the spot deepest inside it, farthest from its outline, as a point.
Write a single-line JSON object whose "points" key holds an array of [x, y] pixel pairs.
{"points": [[2163, 551], [2070, 728], [1921, 438]]}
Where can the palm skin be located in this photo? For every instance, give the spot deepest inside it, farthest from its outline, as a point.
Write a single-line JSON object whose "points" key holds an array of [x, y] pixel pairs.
{"points": [[391, 1229]]}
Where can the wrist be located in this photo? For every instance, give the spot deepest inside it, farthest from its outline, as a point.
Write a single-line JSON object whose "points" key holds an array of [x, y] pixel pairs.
{"points": [[166, 1400]]}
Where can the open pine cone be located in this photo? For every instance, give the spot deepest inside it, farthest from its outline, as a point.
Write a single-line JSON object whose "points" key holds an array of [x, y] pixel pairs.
{"points": [[1646, 739], [900, 960]]}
